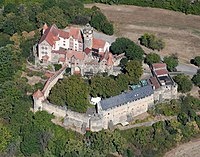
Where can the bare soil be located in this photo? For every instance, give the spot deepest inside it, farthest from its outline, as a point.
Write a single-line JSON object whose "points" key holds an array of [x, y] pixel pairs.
{"points": [[190, 149], [180, 32]]}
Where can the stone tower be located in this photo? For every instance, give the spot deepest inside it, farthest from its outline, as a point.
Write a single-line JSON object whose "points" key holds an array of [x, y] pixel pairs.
{"points": [[87, 36]]}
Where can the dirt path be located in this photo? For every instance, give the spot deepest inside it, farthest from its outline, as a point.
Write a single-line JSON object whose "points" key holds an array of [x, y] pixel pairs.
{"points": [[190, 149], [180, 32]]}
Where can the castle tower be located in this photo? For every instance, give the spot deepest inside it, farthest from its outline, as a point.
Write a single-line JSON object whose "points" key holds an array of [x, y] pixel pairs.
{"points": [[87, 36], [38, 97]]}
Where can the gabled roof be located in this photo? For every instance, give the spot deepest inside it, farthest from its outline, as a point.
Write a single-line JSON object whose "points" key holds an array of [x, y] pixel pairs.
{"points": [[159, 66], [50, 35], [87, 51], [154, 82], [126, 97], [63, 34], [74, 32], [38, 94], [77, 54], [161, 72]]}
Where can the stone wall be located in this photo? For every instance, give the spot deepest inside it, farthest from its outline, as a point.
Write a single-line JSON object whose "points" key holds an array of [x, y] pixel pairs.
{"points": [[125, 112], [58, 111]]}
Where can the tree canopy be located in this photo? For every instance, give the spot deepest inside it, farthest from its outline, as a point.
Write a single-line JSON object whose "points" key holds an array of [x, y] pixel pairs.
{"points": [[197, 61], [134, 71], [125, 45], [184, 83], [72, 92], [196, 78], [171, 61], [152, 58]]}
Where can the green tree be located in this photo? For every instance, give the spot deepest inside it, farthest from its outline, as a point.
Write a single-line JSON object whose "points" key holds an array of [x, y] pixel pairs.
{"points": [[51, 16], [152, 58], [197, 61], [171, 61], [125, 45], [103, 86], [74, 93], [184, 83], [196, 78], [134, 71]]}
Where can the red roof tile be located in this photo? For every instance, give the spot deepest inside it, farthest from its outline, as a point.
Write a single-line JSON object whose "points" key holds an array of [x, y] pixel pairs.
{"points": [[49, 35], [154, 82], [87, 51], [159, 65], [98, 43], [77, 54], [74, 32], [38, 94], [161, 72], [63, 34]]}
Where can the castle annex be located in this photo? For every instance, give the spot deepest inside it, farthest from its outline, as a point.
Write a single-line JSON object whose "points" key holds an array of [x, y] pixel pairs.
{"points": [[78, 49]]}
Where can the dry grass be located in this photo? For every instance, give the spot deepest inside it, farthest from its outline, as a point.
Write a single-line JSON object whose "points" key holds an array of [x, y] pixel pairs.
{"points": [[180, 32]]}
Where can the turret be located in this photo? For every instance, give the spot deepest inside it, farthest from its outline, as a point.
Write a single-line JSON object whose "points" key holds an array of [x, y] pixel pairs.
{"points": [[38, 97], [88, 36], [45, 27]]}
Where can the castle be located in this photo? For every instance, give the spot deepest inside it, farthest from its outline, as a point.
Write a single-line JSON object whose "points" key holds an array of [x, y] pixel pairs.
{"points": [[78, 49], [84, 54]]}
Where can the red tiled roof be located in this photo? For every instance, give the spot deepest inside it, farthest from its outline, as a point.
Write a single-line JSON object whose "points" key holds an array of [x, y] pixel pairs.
{"points": [[87, 51], [49, 35], [98, 43], [154, 82], [74, 32], [77, 54], [63, 34], [158, 65], [38, 94], [161, 72]]}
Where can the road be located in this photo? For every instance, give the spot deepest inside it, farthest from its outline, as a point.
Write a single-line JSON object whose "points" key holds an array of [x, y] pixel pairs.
{"points": [[187, 69], [149, 123]]}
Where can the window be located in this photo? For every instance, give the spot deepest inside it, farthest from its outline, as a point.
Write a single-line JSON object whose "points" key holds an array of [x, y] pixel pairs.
{"points": [[45, 48], [42, 47]]}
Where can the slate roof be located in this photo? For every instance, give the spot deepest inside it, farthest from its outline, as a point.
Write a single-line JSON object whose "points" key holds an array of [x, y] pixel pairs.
{"points": [[126, 97]]}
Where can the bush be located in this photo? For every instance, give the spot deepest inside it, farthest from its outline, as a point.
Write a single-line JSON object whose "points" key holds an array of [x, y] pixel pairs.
{"points": [[57, 66], [152, 42], [197, 61], [152, 58]]}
